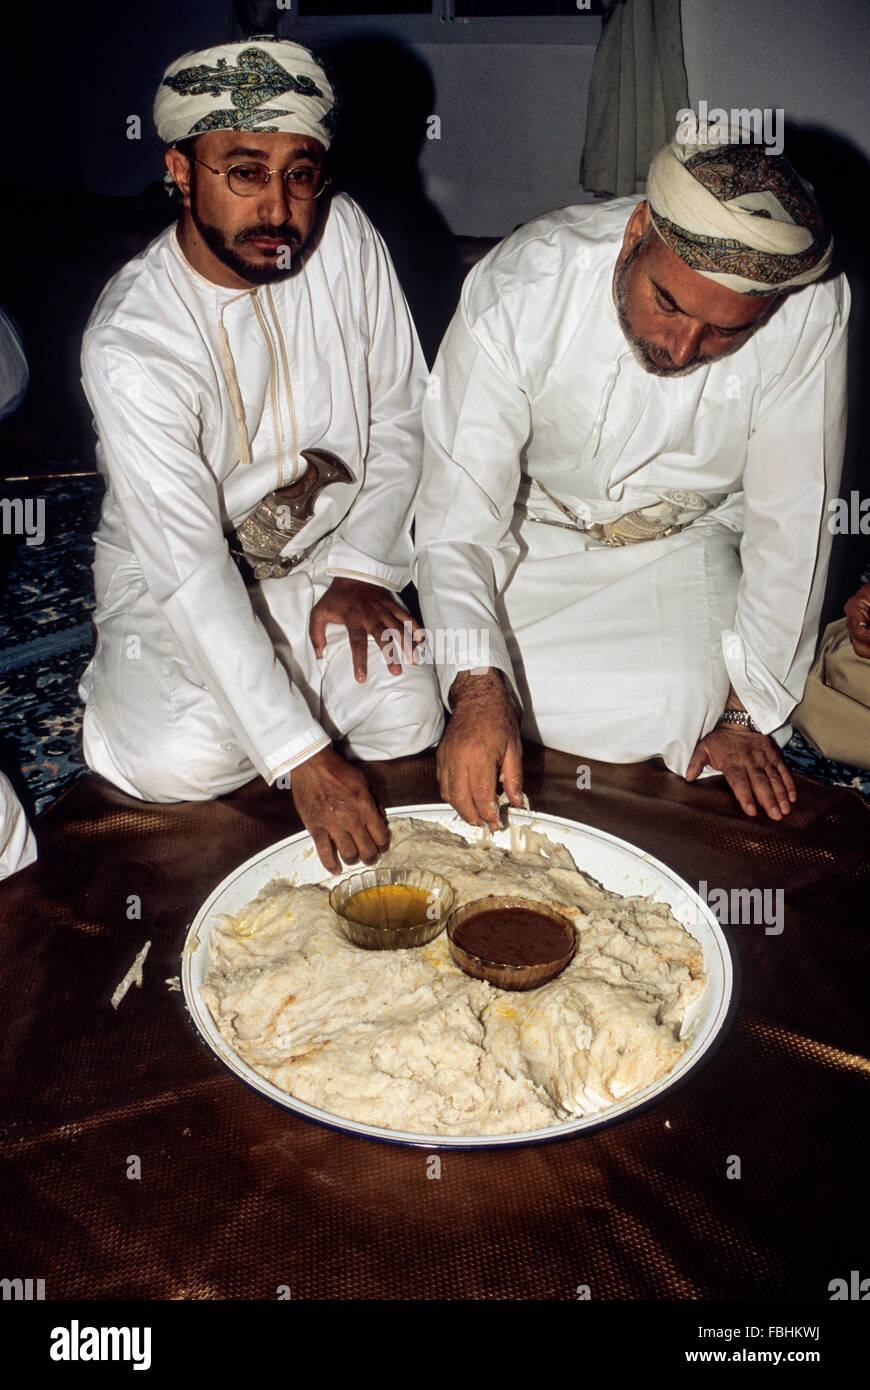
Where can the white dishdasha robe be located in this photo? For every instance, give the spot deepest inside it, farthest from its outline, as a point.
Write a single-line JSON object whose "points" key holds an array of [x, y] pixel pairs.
{"points": [[624, 654], [14, 372], [17, 844], [197, 683]]}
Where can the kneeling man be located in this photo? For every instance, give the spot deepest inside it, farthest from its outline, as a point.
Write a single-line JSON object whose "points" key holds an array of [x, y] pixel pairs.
{"points": [[634, 424], [256, 384]]}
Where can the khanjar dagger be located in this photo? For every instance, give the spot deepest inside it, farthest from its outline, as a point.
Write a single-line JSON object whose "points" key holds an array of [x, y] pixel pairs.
{"points": [[257, 543]]}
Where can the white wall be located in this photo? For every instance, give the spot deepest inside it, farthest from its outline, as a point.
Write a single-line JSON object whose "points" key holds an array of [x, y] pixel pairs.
{"points": [[513, 118], [810, 57]]}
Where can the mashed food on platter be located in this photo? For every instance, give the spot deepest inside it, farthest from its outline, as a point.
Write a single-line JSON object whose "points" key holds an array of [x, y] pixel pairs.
{"points": [[405, 1040]]}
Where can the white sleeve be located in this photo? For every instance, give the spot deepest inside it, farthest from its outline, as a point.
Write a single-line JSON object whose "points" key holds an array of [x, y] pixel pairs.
{"points": [[147, 419], [793, 463], [17, 845], [14, 373], [476, 420], [373, 542]]}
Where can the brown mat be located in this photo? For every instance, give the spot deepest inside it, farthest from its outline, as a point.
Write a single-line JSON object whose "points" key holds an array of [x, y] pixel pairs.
{"points": [[238, 1198]]}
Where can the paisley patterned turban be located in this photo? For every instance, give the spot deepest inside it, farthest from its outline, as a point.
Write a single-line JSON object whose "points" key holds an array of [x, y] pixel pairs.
{"points": [[738, 215], [261, 84]]}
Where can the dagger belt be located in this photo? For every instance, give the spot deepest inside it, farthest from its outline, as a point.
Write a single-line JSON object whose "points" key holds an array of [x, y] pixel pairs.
{"points": [[674, 511]]}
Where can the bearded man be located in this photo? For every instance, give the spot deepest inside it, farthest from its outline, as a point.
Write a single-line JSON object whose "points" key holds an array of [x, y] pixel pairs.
{"points": [[256, 383], [635, 422]]}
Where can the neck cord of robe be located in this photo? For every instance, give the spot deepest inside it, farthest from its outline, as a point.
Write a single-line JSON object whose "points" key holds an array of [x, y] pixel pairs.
{"points": [[594, 440], [232, 380]]}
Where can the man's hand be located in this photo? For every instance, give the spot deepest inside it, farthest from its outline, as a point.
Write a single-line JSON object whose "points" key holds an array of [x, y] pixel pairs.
{"points": [[337, 809], [366, 610], [753, 768], [857, 612], [481, 741]]}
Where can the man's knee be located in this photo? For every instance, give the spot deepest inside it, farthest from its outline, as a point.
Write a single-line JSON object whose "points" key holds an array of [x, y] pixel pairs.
{"points": [[408, 718], [424, 720]]}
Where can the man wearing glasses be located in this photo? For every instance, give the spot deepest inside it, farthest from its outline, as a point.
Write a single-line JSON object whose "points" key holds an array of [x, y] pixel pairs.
{"points": [[256, 384]]}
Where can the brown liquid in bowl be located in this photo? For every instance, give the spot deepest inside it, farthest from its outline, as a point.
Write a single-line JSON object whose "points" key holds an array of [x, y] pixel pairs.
{"points": [[514, 936]]}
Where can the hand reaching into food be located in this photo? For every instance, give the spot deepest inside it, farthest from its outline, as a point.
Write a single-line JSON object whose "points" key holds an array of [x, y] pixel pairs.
{"points": [[338, 810], [366, 610], [482, 742]]}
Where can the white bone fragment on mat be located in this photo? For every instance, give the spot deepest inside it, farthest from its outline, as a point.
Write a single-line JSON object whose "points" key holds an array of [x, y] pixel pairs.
{"points": [[132, 977]]}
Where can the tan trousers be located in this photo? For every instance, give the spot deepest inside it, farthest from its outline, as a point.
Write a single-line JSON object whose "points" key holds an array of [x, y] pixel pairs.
{"points": [[834, 714]]}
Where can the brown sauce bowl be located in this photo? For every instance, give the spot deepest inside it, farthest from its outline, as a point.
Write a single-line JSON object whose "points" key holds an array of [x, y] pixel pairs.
{"points": [[490, 940]]}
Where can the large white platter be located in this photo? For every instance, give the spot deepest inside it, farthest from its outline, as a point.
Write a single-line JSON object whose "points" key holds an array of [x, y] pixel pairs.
{"points": [[619, 866]]}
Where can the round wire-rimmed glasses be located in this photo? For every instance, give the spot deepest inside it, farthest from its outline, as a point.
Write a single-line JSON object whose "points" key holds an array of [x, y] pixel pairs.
{"points": [[302, 181]]}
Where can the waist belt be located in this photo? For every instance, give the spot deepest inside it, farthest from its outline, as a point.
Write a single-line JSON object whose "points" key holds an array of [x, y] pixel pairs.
{"points": [[257, 543]]}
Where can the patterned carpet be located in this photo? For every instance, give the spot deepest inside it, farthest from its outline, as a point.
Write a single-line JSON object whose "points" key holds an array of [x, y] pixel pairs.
{"points": [[46, 639], [801, 757], [46, 642]]}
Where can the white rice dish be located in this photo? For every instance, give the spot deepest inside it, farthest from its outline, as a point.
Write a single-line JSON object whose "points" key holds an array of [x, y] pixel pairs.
{"points": [[405, 1040]]}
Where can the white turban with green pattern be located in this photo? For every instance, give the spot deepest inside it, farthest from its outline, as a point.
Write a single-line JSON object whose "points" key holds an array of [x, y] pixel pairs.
{"points": [[260, 84]]}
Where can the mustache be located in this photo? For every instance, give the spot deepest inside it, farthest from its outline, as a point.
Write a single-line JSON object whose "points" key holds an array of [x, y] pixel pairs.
{"points": [[666, 367], [288, 234]]}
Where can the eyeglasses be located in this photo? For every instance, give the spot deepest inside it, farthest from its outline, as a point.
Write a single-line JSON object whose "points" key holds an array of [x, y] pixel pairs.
{"points": [[302, 182]]}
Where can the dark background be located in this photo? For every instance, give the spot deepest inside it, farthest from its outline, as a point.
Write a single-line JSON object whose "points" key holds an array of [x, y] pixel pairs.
{"points": [[82, 198]]}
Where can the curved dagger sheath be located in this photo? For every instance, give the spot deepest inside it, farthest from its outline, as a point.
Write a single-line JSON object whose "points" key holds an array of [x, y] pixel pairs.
{"points": [[257, 543]]}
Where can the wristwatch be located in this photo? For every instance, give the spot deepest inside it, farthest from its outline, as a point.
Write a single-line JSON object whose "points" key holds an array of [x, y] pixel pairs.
{"points": [[739, 717]]}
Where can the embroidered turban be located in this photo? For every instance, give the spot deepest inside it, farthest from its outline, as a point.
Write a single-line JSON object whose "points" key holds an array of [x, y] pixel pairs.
{"points": [[261, 84], [738, 215]]}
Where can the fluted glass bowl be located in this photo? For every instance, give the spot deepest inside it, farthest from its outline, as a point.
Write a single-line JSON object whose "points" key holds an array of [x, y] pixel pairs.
{"points": [[389, 929], [505, 974]]}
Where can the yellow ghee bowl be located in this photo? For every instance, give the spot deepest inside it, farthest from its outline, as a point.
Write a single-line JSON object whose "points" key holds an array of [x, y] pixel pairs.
{"points": [[392, 909]]}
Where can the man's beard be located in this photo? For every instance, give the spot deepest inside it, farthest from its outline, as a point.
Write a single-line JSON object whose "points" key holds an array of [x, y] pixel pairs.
{"points": [[266, 274], [648, 354]]}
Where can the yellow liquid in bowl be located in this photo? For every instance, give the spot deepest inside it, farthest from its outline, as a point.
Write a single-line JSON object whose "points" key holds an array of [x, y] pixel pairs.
{"points": [[390, 905]]}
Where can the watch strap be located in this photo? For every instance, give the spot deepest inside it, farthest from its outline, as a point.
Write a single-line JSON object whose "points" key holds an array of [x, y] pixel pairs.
{"points": [[738, 717]]}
